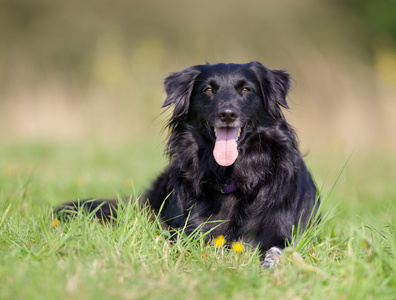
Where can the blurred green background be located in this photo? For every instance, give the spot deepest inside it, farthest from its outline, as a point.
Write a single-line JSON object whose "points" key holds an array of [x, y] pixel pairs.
{"points": [[80, 97], [93, 69]]}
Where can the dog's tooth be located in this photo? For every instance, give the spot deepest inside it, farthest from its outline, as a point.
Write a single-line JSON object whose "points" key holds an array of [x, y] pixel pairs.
{"points": [[215, 131]]}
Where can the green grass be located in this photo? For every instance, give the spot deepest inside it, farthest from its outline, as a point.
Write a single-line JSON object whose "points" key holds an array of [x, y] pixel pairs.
{"points": [[350, 255]]}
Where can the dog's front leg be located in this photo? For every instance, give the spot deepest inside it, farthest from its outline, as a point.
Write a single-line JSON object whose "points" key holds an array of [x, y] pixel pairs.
{"points": [[272, 257]]}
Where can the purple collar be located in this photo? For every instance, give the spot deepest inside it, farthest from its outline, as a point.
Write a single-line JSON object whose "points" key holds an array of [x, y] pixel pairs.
{"points": [[225, 188]]}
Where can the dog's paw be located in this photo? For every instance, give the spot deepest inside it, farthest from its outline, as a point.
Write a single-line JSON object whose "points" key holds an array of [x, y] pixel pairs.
{"points": [[272, 258]]}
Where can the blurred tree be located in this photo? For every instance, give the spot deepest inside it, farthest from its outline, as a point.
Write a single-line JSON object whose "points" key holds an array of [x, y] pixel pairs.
{"points": [[375, 22]]}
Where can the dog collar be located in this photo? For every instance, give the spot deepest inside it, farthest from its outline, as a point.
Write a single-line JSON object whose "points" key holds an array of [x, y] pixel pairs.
{"points": [[225, 188]]}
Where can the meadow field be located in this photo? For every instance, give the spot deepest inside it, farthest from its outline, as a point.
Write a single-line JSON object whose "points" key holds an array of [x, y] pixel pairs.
{"points": [[350, 255], [80, 116]]}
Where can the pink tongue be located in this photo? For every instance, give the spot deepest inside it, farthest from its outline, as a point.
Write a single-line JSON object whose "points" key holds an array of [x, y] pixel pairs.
{"points": [[225, 151]]}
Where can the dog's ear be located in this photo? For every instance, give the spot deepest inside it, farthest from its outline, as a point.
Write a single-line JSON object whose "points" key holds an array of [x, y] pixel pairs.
{"points": [[274, 86], [178, 87]]}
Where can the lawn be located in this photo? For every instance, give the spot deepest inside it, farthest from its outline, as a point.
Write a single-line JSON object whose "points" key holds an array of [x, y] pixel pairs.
{"points": [[351, 255]]}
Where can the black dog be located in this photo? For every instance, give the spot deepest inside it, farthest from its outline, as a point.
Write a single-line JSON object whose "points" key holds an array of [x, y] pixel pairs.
{"points": [[233, 157]]}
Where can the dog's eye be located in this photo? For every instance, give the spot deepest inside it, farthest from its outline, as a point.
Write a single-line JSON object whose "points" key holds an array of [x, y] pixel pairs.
{"points": [[208, 91], [245, 89]]}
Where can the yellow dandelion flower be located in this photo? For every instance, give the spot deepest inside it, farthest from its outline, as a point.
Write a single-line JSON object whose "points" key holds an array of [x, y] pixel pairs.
{"points": [[128, 182], [78, 181], [237, 247], [10, 170], [219, 241], [55, 222]]}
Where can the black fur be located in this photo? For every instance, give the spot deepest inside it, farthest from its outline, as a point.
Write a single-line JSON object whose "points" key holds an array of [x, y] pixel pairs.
{"points": [[274, 187]]}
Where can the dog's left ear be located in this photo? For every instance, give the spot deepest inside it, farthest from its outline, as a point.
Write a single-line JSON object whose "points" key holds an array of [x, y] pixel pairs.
{"points": [[274, 85], [178, 87]]}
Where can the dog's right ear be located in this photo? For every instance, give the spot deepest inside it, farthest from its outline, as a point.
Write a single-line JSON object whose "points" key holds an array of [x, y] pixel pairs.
{"points": [[178, 87], [274, 85]]}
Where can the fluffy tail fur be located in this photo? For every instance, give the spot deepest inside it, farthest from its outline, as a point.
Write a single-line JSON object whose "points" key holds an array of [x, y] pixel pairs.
{"points": [[104, 210]]}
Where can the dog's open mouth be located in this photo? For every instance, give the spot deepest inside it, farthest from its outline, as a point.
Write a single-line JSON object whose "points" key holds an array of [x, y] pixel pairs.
{"points": [[227, 139]]}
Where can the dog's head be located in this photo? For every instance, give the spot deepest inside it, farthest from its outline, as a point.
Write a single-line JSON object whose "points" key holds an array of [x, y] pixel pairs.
{"points": [[229, 100]]}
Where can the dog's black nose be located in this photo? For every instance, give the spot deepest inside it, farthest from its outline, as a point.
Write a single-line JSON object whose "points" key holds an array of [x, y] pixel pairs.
{"points": [[228, 114]]}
